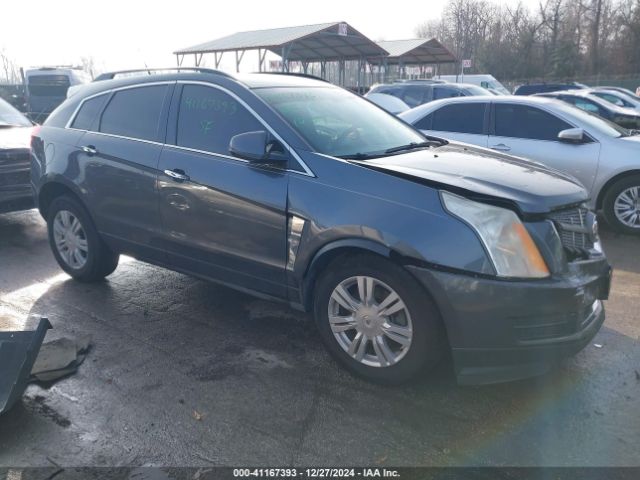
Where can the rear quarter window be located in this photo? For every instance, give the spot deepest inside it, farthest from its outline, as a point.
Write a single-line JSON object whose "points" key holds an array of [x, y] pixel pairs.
{"points": [[86, 118]]}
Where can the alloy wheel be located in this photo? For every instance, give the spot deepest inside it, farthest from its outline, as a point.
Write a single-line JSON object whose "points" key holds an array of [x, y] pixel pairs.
{"points": [[627, 207], [370, 321]]}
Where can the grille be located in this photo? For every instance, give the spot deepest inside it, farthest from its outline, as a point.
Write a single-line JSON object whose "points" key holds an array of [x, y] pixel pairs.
{"points": [[574, 229]]}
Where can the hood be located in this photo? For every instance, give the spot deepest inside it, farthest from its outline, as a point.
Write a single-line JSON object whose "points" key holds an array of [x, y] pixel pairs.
{"points": [[534, 188], [12, 138]]}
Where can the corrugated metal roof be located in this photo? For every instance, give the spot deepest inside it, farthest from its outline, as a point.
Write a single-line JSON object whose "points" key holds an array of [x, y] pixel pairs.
{"points": [[324, 41], [417, 50]]}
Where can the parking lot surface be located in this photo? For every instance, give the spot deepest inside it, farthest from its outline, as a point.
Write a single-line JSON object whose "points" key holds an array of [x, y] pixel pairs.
{"points": [[184, 372]]}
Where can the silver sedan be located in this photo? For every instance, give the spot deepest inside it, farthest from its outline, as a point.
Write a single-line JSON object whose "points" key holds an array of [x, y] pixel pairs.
{"points": [[605, 158]]}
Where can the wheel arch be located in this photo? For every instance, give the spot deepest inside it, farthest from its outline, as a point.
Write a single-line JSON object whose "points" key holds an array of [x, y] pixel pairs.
{"points": [[329, 252], [53, 189], [603, 191]]}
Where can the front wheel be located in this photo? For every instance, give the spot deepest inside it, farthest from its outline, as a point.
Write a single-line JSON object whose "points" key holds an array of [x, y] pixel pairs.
{"points": [[376, 320], [75, 242], [621, 205]]}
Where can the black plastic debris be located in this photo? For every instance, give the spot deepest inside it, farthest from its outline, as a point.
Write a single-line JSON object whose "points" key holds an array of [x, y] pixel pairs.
{"points": [[18, 353]]}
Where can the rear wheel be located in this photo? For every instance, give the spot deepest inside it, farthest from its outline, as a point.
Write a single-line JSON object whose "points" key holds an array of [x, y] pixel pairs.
{"points": [[376, 320], [75, 242], [621, 205]]}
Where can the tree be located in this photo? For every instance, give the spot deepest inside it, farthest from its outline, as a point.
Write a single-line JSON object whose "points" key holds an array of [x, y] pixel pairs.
{"points": [[559, 38]]}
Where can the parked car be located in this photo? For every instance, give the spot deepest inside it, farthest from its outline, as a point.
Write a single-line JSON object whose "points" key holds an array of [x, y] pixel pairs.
{"points": [[390, 103], [293, 189], [482, 80], [418, 92], [15, 136], [617, 98], [46, 88], [603, 156], [533, 88], [625, 117], [626, 91]]}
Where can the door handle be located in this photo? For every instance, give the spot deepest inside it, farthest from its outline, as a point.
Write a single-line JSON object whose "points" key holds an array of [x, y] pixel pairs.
{"points": [[501, 147], [177, 174], [89, 150]]}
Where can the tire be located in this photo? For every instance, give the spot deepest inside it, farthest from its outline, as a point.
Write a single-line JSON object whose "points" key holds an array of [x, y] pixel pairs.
{"points": [[623, 197], [82, 254], [400, 362]]}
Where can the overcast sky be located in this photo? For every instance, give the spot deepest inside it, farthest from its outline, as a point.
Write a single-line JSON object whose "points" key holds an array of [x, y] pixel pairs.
{"points": [[122, 34]]}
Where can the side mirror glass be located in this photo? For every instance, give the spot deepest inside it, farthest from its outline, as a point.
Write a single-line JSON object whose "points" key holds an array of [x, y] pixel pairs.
{"points": [[257, 147], [571, 135]]}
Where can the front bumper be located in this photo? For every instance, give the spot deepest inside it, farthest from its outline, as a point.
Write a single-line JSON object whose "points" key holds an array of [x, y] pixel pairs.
{"points": [[501, 330]]}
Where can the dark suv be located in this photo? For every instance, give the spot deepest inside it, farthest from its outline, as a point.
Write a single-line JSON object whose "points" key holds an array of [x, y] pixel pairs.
{"points": [[403, 246]]}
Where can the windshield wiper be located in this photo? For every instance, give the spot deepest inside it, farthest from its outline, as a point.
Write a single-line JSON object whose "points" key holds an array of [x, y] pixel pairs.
{"points": [[360, 156], [414, 146]]}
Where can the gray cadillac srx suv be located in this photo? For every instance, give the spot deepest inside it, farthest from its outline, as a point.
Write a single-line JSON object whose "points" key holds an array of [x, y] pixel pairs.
{"points": [[403, 246]]}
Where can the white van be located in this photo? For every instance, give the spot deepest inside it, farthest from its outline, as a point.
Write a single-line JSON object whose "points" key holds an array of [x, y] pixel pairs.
{"points": [[46, 88], [485, 81]]}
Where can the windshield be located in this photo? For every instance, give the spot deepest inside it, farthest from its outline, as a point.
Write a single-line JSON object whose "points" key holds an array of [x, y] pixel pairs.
{"points": [[595, 122], [10, 117], [48, 85], [499, 87], [476, 90], [338, 123]]}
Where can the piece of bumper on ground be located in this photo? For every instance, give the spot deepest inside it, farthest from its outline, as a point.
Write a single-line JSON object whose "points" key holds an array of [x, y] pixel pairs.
{"points": [[18, 352], [508, 330]]}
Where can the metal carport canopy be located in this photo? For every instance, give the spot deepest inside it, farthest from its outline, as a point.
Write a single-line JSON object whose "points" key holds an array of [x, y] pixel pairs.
{"points": [[307, 43], [416, 51]]}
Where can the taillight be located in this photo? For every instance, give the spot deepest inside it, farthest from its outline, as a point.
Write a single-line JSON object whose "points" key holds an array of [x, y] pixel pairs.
{"points": [[35, 131]]}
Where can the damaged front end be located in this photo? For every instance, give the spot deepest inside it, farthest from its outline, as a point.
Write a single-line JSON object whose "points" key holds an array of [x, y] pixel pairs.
{"points": [[18, 353]]}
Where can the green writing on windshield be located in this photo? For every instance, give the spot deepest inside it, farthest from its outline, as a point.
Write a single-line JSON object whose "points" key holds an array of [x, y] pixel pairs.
{"points": [[226, 107]]}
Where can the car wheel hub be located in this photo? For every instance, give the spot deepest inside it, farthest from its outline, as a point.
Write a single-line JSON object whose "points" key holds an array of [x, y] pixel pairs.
{"points": [[70, 239], [627, 207], [370, 321]]}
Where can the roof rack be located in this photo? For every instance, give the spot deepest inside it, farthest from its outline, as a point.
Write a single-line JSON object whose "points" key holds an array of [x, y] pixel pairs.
{"points": [[151, 71], [294, 74], [420, 80]]}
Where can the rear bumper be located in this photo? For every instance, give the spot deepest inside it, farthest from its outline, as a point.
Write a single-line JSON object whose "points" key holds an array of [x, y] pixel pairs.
{"points": [[508, 330], [15, 199]]}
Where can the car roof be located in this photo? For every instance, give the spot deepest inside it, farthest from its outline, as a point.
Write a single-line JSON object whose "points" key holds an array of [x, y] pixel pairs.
{"points": [[252, 80], [427, 108]]}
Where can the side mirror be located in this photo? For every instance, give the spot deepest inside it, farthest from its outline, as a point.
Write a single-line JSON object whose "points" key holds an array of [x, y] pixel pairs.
{"points": [[571, 135], [257, 147]]}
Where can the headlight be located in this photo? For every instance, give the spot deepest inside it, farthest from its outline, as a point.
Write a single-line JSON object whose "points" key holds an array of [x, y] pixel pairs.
{"points": [[513, 252]]}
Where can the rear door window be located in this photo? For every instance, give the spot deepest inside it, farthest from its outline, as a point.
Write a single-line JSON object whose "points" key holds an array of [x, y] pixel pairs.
{"points": [[522, 121], [208, 118], [460, 118], [88, 113], [134, 112]]}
